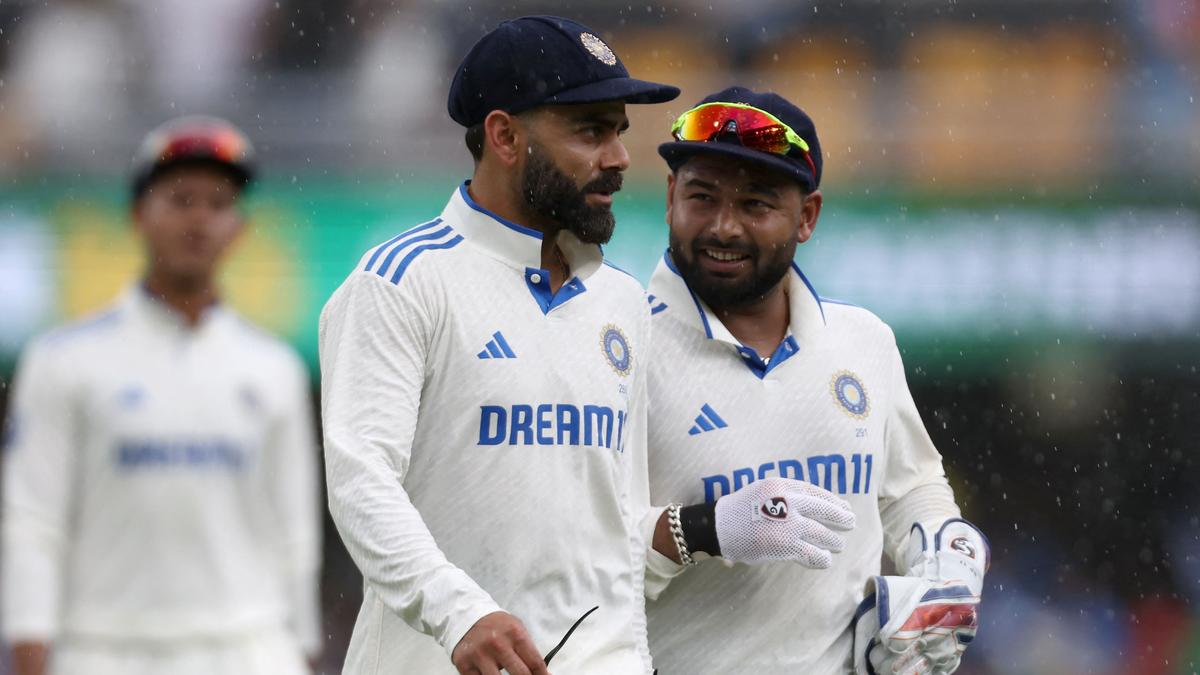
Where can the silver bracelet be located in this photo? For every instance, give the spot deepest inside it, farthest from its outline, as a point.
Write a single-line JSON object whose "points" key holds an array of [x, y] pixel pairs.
{"points": [[685, 556]]}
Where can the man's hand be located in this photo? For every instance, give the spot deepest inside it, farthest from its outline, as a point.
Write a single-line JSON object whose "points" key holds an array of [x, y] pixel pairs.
{"points": [[498, 641], [767, 520], [921, 623], [782, 519]]}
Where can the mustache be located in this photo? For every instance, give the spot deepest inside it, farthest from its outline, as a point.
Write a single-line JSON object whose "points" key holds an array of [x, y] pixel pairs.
{"points": [[610, 181], [712, 242]]}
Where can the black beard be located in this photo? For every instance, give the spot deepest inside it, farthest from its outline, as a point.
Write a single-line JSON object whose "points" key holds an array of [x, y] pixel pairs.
{"points": [[722, 293], [553, 196]]}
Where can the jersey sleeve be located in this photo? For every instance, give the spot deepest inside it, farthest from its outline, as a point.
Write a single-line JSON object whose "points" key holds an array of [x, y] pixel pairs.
{"points": [[374, 339], [292, 473], [914, 488], [39, 473], [638, 501], [660, 569]]}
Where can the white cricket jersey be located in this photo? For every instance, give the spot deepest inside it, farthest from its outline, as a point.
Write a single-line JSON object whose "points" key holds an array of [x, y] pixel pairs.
{"points": [[160, 482], [485, 444], [830, 406]]}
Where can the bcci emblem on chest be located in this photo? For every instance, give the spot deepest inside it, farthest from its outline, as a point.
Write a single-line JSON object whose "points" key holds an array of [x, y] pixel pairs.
{"points": [[850, 394], [616, 349]]}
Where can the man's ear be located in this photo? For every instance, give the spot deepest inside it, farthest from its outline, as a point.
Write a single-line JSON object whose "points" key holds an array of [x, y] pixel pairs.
{"points": [[670, 195], [237, 236], [243, 223], [504, 136], [810, 211], [135, 212]]}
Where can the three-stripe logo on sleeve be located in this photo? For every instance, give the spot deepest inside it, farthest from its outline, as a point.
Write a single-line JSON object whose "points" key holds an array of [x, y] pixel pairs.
{"points": [[391, 259]]}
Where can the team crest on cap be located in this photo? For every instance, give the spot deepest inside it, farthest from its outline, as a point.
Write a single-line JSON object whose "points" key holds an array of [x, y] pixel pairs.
{"points": [[598, 49], [850, 394], [616, 349]]}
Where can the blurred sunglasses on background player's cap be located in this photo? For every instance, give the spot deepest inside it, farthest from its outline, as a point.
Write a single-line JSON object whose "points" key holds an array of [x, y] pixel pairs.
{"points": [[193, 140], [540, 60], [762, 128]]}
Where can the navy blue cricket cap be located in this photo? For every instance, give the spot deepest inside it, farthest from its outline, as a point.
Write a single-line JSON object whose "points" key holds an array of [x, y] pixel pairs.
{"points": [[793, 163], [540, 60]]}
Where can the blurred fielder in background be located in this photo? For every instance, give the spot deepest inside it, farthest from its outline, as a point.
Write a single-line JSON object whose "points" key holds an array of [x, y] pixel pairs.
{"points": [[160, 498], [753, 376]]}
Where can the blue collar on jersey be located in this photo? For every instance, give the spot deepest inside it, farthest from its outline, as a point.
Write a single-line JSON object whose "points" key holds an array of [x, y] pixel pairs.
{"points": [[520, 247], [669, 293]]}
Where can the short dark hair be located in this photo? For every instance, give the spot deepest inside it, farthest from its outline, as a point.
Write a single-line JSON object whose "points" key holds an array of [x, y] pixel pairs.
{"points": [[474, 140]]}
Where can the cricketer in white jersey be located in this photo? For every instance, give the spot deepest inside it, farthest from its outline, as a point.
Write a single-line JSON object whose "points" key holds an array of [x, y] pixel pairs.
{"points": [[484, 389], [824, 399], [485, 443], [160, 498], [160, 509], [832, 407]]}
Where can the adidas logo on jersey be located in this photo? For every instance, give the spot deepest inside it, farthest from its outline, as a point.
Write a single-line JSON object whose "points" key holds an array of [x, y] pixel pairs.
{"points": [[131, 397], [707, 420], [497, 348]]}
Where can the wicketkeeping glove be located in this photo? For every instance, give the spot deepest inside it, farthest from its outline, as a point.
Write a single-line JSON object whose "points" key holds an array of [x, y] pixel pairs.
{"points": [[782, 519], [921, 623]]}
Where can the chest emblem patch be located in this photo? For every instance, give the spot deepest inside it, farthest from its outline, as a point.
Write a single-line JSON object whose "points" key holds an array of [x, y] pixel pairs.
{"points": [[850, 394], [616, 349], [250, 399]]}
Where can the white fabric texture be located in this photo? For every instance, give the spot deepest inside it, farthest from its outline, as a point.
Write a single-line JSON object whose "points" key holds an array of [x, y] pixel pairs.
{"points": [[778, 519], [160, 483], [833, 409], [259, 653], [485, 444]]}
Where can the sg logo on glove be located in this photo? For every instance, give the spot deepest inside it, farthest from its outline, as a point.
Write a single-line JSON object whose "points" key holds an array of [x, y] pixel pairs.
{"points": [[775, 508], [964, 547]]}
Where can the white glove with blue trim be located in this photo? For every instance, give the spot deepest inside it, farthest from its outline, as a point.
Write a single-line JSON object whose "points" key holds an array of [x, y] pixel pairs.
{"points": [[921, 623]]}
